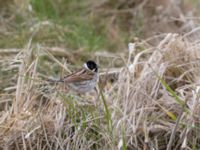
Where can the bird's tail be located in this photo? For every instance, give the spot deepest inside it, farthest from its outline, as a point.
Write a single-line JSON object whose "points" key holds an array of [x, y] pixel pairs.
{"points": [[49, 86]]}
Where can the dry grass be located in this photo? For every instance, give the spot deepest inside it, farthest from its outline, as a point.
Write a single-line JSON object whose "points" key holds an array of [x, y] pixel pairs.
{"points": [[143, 109], [148, 96]]}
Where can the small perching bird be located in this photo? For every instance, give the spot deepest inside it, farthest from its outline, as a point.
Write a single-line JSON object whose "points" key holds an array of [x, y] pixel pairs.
{"points": [[83, 80]]}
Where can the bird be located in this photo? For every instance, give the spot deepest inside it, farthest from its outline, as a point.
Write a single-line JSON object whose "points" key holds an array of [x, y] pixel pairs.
{"points": [[83, 80]]}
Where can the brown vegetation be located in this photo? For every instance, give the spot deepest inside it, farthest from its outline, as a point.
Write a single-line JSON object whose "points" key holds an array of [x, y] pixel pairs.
{"points": [[148, 96]]}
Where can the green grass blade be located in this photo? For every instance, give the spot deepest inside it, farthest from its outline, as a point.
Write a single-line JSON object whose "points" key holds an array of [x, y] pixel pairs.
{"points": [[107, 113]]}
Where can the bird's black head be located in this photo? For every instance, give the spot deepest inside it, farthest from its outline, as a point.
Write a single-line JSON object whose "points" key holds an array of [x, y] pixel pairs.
{"points": [[91, 65]]}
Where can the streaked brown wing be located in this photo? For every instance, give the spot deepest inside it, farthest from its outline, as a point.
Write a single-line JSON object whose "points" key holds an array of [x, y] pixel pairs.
{"points": [[81, 75]]}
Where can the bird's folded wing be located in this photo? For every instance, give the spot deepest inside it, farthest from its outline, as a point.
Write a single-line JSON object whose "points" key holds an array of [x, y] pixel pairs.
{"points": [[81, 75]]}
